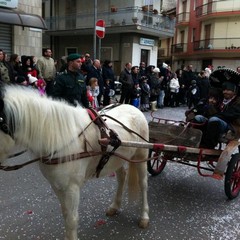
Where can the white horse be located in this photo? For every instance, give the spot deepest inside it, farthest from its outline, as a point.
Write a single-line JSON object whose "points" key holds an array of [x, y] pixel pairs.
{"points": [[53, 128]]}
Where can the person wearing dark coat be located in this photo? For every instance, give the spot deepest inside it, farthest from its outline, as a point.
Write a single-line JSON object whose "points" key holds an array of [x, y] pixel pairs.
{"points": [[228, 118], [203, 84], [193, 94], [14, 61], [96, 72], [28, 67], [108, 73], [70, 84], [142, 69], [127, 83], [188, 75], [86, 64], [145, 94], [135, 74]]}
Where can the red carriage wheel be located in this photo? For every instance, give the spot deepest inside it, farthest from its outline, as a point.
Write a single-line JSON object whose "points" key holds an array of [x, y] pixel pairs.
{"points": [[157, 165], [232, 177]]}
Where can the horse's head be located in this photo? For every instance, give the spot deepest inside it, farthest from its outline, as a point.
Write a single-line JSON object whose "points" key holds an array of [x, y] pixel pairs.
{"points": [[6, 138]]}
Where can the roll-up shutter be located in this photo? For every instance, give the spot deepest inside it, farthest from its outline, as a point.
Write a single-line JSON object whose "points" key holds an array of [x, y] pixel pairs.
{"points": [[6, 38]]}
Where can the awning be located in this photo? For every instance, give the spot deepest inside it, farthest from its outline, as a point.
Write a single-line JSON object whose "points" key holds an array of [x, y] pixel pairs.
{"points": [[20, 18]]}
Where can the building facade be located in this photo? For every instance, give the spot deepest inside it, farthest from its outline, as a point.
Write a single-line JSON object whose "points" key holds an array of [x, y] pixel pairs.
{"points": [[132, 32], [207, 34], [21, 27]]}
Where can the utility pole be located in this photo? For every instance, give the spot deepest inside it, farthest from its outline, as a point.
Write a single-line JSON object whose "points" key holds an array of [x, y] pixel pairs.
{"points": [[94, 34]]}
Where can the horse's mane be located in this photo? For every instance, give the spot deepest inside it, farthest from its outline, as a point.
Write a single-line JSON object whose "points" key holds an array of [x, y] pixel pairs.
{"points": [[40, 123]]}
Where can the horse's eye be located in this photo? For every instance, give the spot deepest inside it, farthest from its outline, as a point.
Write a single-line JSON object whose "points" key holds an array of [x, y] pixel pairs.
{"points": [[1, 119]]}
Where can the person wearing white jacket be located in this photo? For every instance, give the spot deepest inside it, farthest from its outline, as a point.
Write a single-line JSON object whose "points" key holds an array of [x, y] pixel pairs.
{"points": [[174, 89]]}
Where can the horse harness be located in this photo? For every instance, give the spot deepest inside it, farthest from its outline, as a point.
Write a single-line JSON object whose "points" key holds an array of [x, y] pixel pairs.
{"points": [[108, 137], [106, 133]]}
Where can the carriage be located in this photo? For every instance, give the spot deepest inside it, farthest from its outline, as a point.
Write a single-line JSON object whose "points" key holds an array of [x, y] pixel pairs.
{"points": [[181, 140], [180, 143]]}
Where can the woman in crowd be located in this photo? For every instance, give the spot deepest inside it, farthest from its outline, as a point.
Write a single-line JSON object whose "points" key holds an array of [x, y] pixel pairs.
{"points": [[6, 70]]}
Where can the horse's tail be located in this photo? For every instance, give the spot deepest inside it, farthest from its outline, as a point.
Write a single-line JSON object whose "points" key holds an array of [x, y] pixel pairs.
{"points": [[133, 182]]}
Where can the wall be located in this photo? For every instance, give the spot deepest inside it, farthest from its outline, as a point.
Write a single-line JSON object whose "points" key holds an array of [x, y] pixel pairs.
{"points": [[28, 41]]}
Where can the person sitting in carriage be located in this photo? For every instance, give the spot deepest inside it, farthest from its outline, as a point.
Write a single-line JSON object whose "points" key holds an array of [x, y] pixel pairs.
{"points": [[205, 108], [227, 118]]}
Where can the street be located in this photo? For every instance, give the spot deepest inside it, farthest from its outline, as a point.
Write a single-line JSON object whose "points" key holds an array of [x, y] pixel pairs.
{"points": [[183, 205]]}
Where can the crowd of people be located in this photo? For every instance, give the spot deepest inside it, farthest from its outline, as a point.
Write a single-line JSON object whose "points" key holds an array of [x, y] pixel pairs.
{"points": [[146, 87], [79, 80], [83, 81]]}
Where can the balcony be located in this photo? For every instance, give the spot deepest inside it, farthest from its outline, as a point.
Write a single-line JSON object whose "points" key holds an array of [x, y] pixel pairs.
{"points": [[216, 44], [179, 48], [131, 19], [182, 18], [212, 8]]}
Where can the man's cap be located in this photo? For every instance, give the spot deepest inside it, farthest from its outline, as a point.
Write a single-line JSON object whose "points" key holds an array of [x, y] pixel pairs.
{"points": [[229, 86], [73, 56]]}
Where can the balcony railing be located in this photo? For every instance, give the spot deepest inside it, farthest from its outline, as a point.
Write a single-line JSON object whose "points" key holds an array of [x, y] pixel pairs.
{"points": [[217, 44], [182, 17], [122, 17], [218, 6], [179, 48]]}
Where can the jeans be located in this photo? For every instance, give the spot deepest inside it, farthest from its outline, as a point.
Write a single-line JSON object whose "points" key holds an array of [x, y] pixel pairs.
{"points": [[223, 126], [215, 128], [200, 119], [160, 99]]}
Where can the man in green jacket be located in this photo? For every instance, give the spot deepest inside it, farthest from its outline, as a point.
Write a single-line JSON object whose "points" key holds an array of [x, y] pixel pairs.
{"points": [[70, 85]]}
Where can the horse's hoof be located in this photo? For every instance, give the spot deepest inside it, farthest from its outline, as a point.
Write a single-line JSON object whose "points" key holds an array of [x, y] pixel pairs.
{"points": [[111, 212], [143, 223]]}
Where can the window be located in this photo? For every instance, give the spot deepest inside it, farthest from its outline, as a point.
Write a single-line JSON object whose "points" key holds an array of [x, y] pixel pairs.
{"points": [[69, 50]]}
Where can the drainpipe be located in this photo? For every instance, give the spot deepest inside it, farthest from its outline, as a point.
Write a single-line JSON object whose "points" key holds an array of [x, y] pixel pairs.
{"points": [[51, 15]]}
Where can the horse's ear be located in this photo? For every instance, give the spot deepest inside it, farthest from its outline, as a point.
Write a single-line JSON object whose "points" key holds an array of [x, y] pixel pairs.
{"points": [[1, 104]]}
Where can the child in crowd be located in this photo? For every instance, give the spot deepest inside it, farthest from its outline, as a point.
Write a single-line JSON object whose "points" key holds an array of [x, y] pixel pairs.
{"points": [[107, 93], [145, 94], [39, 84], [193, 94], [93, 92], [136, 94]]}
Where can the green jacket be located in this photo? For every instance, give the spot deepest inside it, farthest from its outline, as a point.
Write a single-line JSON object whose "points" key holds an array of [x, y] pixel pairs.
{"points": [[71, 86]]}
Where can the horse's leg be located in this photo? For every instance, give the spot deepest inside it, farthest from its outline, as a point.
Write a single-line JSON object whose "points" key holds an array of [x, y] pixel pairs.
{"points": [[116, 204], [69, 199], [143, 183]]}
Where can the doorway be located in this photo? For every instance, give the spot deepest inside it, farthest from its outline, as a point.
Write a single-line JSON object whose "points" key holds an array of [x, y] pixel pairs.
{"points": [[145, 56]]}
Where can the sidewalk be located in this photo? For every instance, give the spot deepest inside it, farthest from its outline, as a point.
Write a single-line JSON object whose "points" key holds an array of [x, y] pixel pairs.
{"points": [[177, 113]]}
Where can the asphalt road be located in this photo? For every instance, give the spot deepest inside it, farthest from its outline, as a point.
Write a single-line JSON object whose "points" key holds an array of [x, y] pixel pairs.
{"points": [[183, 205]]}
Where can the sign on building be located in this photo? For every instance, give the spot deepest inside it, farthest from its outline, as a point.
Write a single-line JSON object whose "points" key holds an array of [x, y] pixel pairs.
{"points": [[147, 41], [9, 3]]}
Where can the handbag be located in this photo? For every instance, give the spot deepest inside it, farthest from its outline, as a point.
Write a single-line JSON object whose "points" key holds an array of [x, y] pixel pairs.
{"points": [[155, 91]]}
